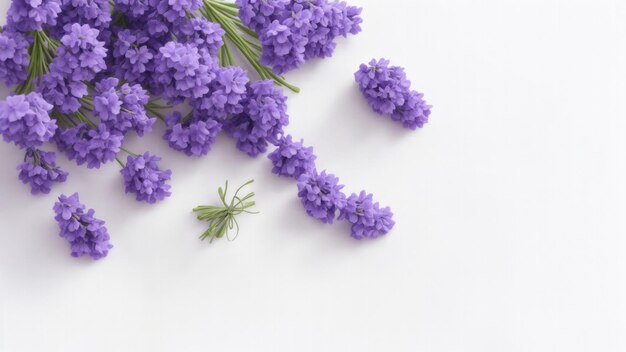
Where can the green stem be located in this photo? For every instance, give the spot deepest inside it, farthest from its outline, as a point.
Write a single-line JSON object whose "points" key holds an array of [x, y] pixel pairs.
{"points": [[128, 152], [214, 11]]}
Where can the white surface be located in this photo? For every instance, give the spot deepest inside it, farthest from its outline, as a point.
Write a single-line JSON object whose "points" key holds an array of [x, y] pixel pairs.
{"points": [[509, 206]]}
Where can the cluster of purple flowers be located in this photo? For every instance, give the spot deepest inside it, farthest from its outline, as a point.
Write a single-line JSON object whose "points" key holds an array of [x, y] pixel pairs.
{"points": [[262, 120], [93, 146], [294, 31], [121, 108], [32, 15], [95, 13], [292, 159], [25, 120], [39, 170], [87, 68], [143, 177], [321, 194], [388, 92], [85, 233], [193, 134], [13, 57]]}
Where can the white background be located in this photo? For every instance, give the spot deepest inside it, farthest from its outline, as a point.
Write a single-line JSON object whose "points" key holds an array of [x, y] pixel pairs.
{"points": [[509, 205]]}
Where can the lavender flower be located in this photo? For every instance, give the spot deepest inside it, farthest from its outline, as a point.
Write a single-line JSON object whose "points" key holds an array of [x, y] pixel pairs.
{"points": [[388, 92], [32, 15], [367, 218], [81, 55], [183, 71], [292, 159], [122, 109], [262, 120], [173, 10], [295, 31], [226, 93], [62, 92], [133, 55], [85, 233], [258, 14], [39, 170], [192, 135], [201, 33], [414, 112], [25, 120], [13, 57], [283, 50], [93, 146], [95, 13], [321, 195], [143, 177]]}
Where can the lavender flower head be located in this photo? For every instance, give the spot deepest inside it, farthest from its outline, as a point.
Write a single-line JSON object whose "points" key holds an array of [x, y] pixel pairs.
{"points": [[183, 71], [226, 93], [367, 218], [13, 57], [143, 177], [62, 92], [293, 32], [85, 233], [39, 170], [388, 92], [193, 134], [133, 54], [292, 159], [32, 15], [122, 108], [258, 14], [92, 146], [81, 55], [25, 120], [95, 13], [200, 32], [262, 120], [321, 195]]}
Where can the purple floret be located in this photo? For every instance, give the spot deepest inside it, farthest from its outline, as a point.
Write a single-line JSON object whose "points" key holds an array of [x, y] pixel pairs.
{"points": [[183, 71], [258, 14], [62, 92], [200, 32], [85, 233], [143, 177], [367, 218], [39, 170], [92, 146], [262, 120], [32, 15], [293, 32], [14, 57], [388, 92], [25, 120], [81, 55], [132, 57], [321, 195], [192, 135], [292, 159], [122, 108], [226, 93], [95, 13]]}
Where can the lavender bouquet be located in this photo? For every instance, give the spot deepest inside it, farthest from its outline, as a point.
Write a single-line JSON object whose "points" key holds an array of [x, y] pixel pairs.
{"points": [[87, 73]]}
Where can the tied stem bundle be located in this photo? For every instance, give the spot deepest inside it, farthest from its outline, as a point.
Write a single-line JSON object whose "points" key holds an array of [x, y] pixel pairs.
{"points": [[221, 218]]}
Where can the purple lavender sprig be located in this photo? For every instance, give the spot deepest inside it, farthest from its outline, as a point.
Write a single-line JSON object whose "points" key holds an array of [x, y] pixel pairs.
{"points": [[40, 171], [320, 194], [86, 234], [368, 219], [144, 178], [388, 92]]}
